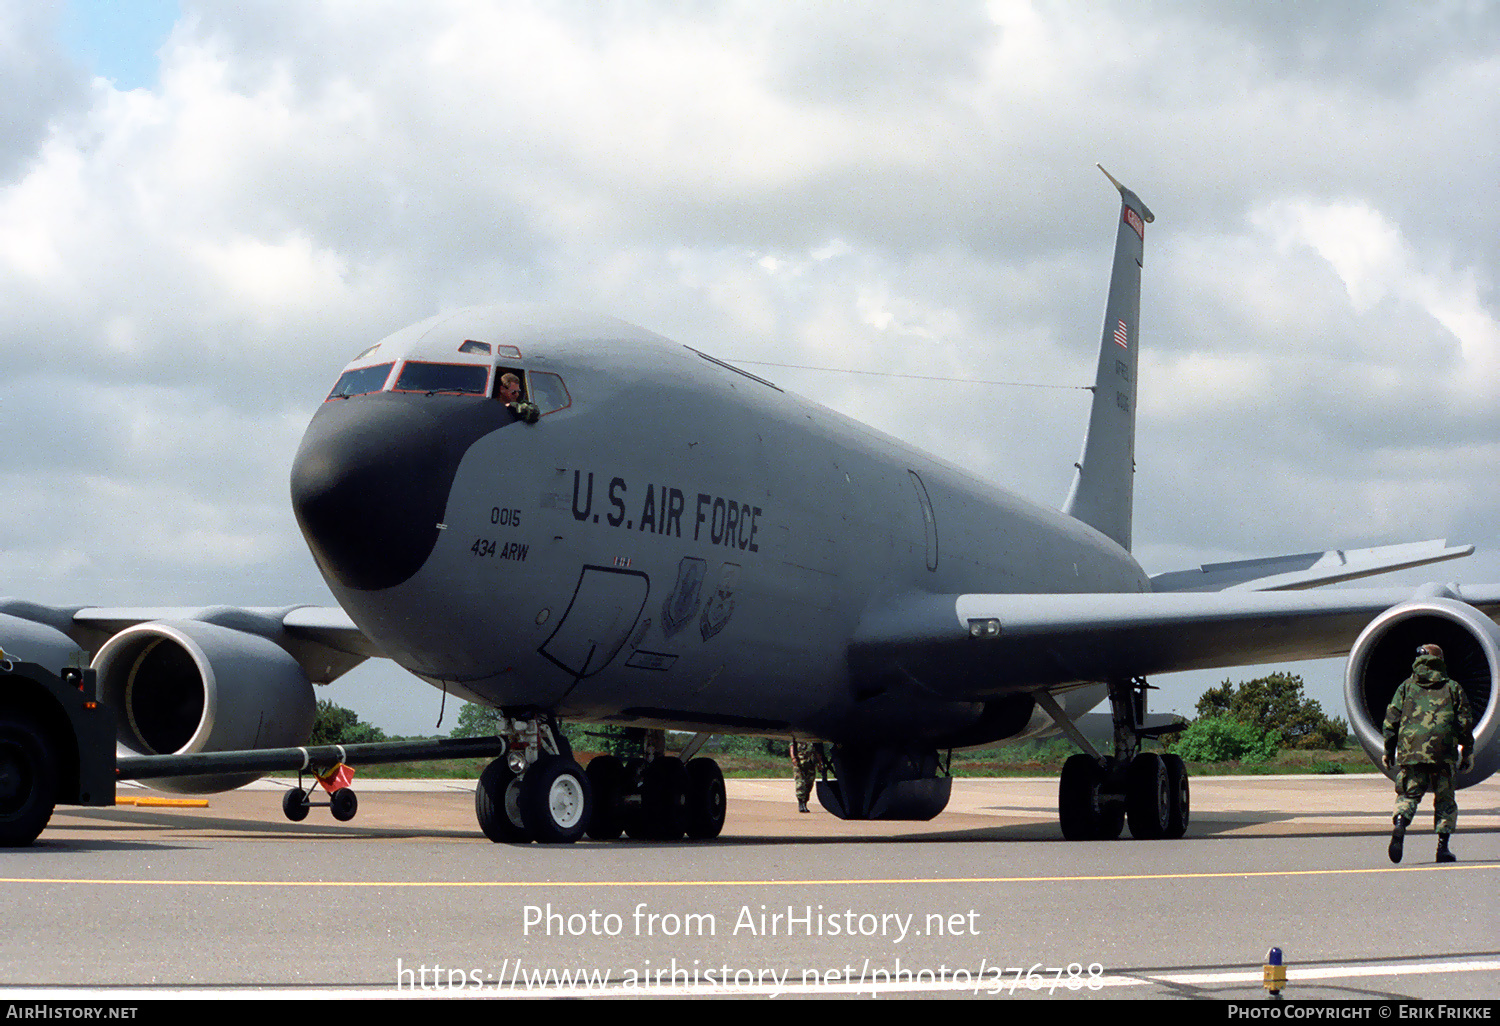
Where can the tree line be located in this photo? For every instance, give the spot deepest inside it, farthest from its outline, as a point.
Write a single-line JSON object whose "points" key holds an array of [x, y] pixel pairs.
{"points": [[1248, 722]]}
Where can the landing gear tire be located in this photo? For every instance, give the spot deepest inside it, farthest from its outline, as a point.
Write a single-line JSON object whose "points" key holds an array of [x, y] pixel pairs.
{"points": [[1179, 811], [554, 800], [705, 799], [606, 775], [294, 805], [28, 781], [633, 801], [1111, 820], [495, 805], [663, 809], [343, 803], [1148, 797], [1079, 810]]}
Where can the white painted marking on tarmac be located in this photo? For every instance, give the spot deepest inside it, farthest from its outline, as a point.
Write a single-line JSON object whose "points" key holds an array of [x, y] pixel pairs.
{"points": [[959, 981]]}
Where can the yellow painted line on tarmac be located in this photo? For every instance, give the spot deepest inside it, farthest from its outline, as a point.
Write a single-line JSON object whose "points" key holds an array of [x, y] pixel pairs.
{"points": [[170, 803], [832, 882]]}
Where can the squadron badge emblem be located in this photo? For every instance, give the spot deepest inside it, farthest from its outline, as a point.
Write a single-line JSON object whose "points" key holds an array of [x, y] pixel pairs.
{"points": [[682, 604], [720, 606]]}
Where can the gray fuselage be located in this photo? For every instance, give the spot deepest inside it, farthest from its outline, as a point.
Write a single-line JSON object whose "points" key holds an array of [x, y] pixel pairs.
{"points": [[680, 544]]}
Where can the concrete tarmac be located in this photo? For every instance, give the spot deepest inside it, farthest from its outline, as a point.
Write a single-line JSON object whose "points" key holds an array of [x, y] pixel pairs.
{"points": [[410, 900]]}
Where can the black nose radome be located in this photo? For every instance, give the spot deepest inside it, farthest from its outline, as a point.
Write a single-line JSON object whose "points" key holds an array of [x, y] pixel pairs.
{"points": [[371, 479]]}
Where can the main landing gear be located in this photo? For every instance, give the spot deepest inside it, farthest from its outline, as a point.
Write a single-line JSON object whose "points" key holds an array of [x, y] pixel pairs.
{"points": [[1099, 794], [660, 799], [538, 792]]}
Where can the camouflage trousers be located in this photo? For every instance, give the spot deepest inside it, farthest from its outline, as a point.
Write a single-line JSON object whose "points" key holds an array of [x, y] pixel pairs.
{"points": [[1414, 781], [805, 759]]}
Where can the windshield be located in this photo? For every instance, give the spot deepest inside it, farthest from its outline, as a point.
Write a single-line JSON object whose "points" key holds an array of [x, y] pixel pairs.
{"points": [[361, 380], [456, 378]]}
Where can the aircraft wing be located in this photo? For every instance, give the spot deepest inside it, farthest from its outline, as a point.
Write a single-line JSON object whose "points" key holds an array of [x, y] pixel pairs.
{"points": [[974, 645], [322, 639], [1308, 569]]}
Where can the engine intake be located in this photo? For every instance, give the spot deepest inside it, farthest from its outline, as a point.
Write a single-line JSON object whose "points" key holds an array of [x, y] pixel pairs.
{"points": [[183, 687], [1382, 657]]}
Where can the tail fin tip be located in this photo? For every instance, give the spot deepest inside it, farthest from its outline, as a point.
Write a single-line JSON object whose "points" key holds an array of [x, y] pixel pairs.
{"points": [[1129, 197]]}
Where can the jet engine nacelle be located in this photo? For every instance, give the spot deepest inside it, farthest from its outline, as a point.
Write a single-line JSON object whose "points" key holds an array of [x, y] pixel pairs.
{"points": [[34, 642], [1382, 657], [184, 686]]}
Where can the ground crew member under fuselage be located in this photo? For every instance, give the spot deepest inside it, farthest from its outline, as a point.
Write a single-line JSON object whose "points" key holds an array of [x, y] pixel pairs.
{"points": [[805, 758]]}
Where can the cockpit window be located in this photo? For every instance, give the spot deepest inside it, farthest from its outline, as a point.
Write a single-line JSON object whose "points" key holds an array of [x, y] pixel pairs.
{"points": [[549, 393], [361, 380], [470, 345], [452, 378]]}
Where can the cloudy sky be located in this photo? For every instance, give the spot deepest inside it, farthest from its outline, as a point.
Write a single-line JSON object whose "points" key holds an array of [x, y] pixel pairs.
{"points": [[207, 208]]}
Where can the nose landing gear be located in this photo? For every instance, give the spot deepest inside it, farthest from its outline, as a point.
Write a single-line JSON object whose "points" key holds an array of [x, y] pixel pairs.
{"points": [[538, 792], [535, 792]]}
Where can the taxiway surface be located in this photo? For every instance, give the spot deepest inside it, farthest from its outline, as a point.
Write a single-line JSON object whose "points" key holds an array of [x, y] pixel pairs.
{"points": [[409, 899]]}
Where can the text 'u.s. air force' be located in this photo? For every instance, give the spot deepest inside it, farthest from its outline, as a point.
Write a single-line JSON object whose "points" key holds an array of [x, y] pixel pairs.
{"points": [[660, 509]]}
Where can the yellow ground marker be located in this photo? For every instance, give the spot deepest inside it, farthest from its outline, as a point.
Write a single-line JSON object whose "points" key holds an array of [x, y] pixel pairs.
{"points": [[174, 803]]}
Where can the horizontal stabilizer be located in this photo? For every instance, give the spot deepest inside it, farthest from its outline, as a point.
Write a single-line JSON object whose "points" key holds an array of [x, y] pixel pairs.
{"points": [[1308, 569]]}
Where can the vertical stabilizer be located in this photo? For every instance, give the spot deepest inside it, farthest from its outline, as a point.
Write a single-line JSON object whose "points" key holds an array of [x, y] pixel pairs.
{"points": [[1103, 489]]}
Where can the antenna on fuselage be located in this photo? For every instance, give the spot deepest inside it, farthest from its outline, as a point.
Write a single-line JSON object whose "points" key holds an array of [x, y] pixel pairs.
{"points": [[1103, 489]]}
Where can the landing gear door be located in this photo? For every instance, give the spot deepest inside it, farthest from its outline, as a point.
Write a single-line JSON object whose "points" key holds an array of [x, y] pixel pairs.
{"points": [[604, 610]]}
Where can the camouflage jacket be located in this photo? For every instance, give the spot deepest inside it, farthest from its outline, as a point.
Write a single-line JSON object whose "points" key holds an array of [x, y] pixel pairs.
{"points": [[527, 411], [1428, 717]]}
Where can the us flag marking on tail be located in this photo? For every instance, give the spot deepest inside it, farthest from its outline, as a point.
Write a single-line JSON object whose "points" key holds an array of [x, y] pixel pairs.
{"points": [[1120, 339]]}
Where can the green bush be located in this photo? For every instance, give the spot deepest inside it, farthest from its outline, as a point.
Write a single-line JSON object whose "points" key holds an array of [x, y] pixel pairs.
{"points": [[1277, 703], [603, 737], [335, 725], [1221, 739]]}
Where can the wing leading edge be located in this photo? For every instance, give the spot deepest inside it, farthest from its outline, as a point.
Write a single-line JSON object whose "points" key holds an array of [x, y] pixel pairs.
{"points": [[973, 646], [322, 639]]}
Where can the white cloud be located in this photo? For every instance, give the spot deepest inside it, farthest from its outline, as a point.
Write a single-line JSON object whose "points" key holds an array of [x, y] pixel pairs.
{"points": [[1378, 266], [188, 266]]}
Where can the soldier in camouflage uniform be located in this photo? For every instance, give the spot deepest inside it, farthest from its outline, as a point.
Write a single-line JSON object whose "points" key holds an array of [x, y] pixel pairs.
{"points": [[805, 758], [1428, 730]]}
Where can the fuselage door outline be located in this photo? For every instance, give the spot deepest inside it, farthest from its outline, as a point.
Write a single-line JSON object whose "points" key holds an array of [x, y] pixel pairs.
{"points": [[929, 520], [604, 609]]}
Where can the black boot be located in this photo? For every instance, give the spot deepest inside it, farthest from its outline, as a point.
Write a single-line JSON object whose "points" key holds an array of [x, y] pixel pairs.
{"points": [[1443, 854], [802, 806], [1398, 838]]}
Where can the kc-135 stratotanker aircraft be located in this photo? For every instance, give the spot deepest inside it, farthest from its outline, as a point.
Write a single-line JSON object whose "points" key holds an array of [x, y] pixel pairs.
{"points": [[677, 543]]}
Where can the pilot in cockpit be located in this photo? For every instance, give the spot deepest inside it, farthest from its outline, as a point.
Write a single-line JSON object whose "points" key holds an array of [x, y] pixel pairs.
{"points": [[509, 393]]}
